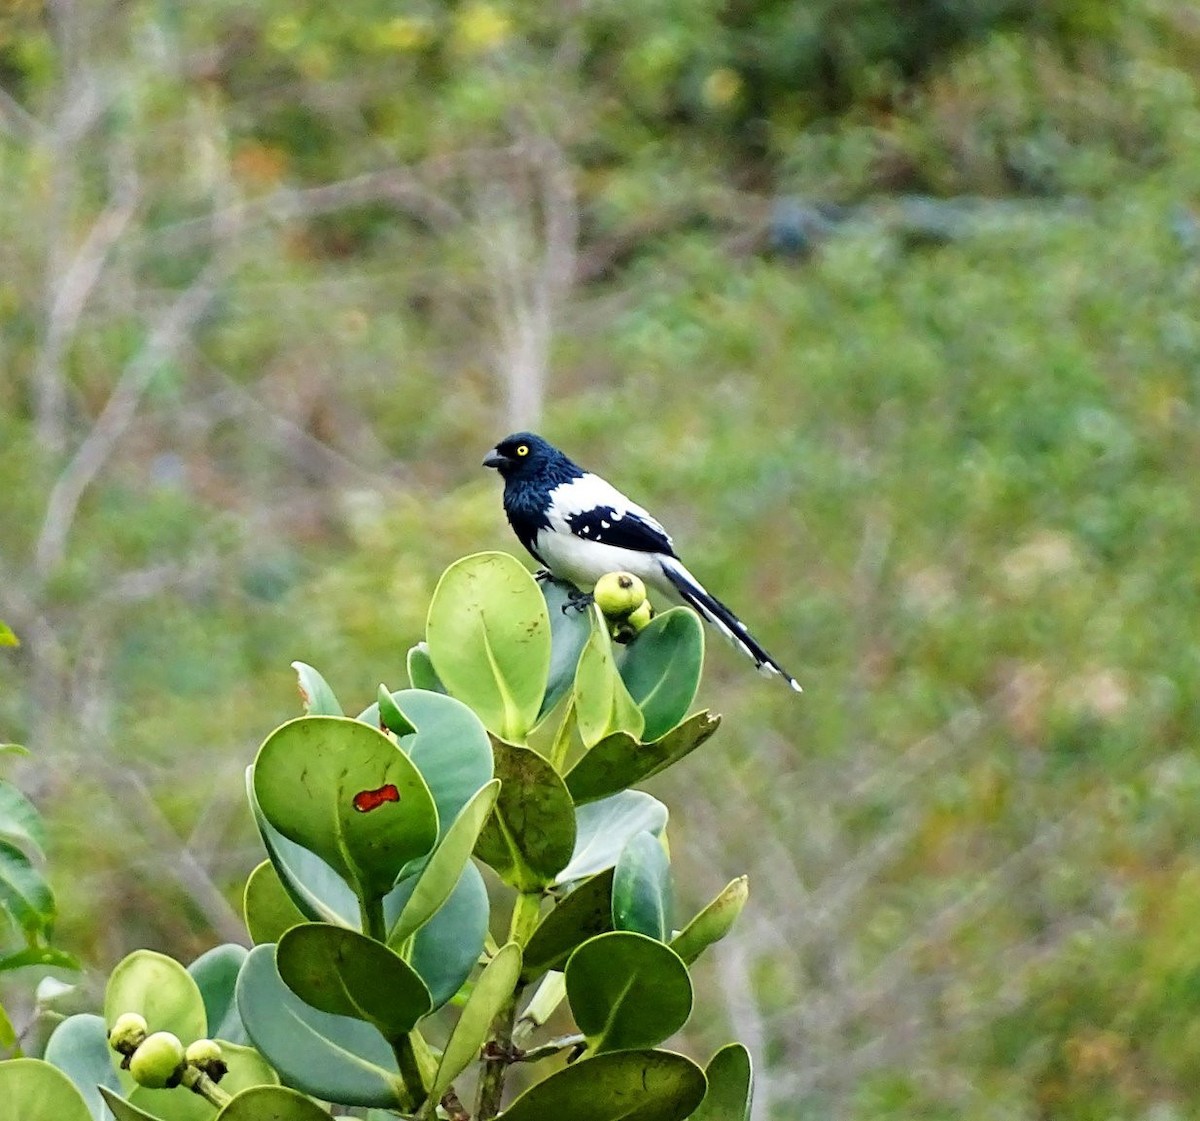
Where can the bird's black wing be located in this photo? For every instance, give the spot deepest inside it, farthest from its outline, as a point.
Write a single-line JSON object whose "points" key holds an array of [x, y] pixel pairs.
{"points": [[626, 530]]}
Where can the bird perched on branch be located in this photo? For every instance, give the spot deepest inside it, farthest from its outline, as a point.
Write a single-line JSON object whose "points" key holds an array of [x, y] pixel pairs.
{"points": [[580, 527]]}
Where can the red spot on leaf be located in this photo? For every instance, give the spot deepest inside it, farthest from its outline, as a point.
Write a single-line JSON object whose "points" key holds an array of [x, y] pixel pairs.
{"points": [[367, 800]]}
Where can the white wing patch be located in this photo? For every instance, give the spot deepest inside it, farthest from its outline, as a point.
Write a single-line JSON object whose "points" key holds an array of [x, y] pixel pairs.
{"points": [[590, 492]]}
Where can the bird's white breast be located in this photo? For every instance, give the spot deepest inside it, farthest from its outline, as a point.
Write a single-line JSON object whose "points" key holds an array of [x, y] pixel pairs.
{"points": [[583, 562]]}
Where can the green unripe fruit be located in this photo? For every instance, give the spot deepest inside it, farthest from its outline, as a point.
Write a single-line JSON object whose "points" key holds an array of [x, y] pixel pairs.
{"points": [[627, 629], [127, 1033], [205, 1055], [618, 594], [639, 617], [158, 1062]]}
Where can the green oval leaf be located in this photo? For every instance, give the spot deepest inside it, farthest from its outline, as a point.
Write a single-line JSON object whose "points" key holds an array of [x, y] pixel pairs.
{"points": [[123, 1110], [79, 1048], [582, 914], [730, 1077], [344, 791], [445, 950], [160, 989], [316, 890], [569, 631], [33, 1090], [531, 833], [641, 894], [489, 640], [20, 823], [451, 749], [603, 829], [331, 1057], [7, 638], [638, 1085], [390, 715], [493, 987], [266, 905], [271, 1103], [602, 703], [713, 923], [315, 692], [627, 990], [619, 761], [345, 973], [421, 674], [661, 669], [444, 867], [24, 894], [216, 974]]}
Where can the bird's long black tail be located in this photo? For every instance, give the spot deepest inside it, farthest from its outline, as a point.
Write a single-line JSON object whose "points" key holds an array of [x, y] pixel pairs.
{"points": [[713, 611]]}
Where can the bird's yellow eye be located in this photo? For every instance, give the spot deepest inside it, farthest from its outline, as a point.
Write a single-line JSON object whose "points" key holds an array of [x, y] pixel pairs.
{"points": [[522, 449]]}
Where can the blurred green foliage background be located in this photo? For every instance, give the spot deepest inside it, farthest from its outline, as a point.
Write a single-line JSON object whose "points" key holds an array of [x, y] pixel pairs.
{"points": [[890, 311]]}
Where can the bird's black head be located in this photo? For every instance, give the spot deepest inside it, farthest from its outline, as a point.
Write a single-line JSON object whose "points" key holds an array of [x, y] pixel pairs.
{"points": [[524, 455]]}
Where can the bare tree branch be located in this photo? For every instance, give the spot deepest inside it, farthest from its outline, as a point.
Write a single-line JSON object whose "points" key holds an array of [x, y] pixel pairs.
{"points": [[397, 186], [737, 986], [129, 791], [305, 448], [67, 296], [168, 336], [17, 120], [145, 583], [528, 229]]}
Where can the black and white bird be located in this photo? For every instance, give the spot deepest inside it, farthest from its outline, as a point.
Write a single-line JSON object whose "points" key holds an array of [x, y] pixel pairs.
{"points": [[580, 527]]}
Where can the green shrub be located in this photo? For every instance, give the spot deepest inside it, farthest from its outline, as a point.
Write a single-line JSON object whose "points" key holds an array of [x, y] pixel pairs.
{"points": [[517, 746]]}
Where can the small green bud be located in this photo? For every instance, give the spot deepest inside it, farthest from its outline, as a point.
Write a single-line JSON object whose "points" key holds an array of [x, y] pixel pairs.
{"points": [[127, 1033], [618, 594], [205, 1055], [158, 1062]]}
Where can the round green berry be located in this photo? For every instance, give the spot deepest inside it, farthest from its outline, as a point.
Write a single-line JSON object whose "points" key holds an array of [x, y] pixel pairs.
{"points": [[617, 594], [158, 1062], [205, 1055], [127, 1033], [640, 616]]}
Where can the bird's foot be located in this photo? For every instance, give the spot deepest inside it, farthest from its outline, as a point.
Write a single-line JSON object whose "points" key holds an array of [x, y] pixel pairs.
{"points": [[544, 576], [578, 601]]}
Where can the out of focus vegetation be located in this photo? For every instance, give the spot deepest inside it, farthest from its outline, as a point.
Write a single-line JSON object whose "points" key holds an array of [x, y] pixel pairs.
{"points": [[891, 312]]}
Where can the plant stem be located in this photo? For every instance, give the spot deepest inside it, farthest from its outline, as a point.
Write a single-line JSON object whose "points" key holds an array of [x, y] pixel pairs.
{"points": [[562, 738], [410, 1069], [524, 917], [372, 918], [551, 1047], [199, 1083], [491, 1082]]}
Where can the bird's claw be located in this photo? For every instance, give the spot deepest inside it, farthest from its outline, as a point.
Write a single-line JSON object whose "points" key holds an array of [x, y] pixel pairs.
{"points": [[578, 601], [544, 576]]}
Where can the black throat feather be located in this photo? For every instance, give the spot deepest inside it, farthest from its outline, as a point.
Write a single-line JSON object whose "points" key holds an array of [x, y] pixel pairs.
{"points": [[527, 497]]}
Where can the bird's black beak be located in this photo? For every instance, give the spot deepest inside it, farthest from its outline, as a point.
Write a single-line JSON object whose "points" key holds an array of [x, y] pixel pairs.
{"points": [[495, 459]]}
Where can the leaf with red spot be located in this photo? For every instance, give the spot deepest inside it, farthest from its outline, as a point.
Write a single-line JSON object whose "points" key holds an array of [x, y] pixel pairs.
{"points": [[307, 779], [367, 800]]}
